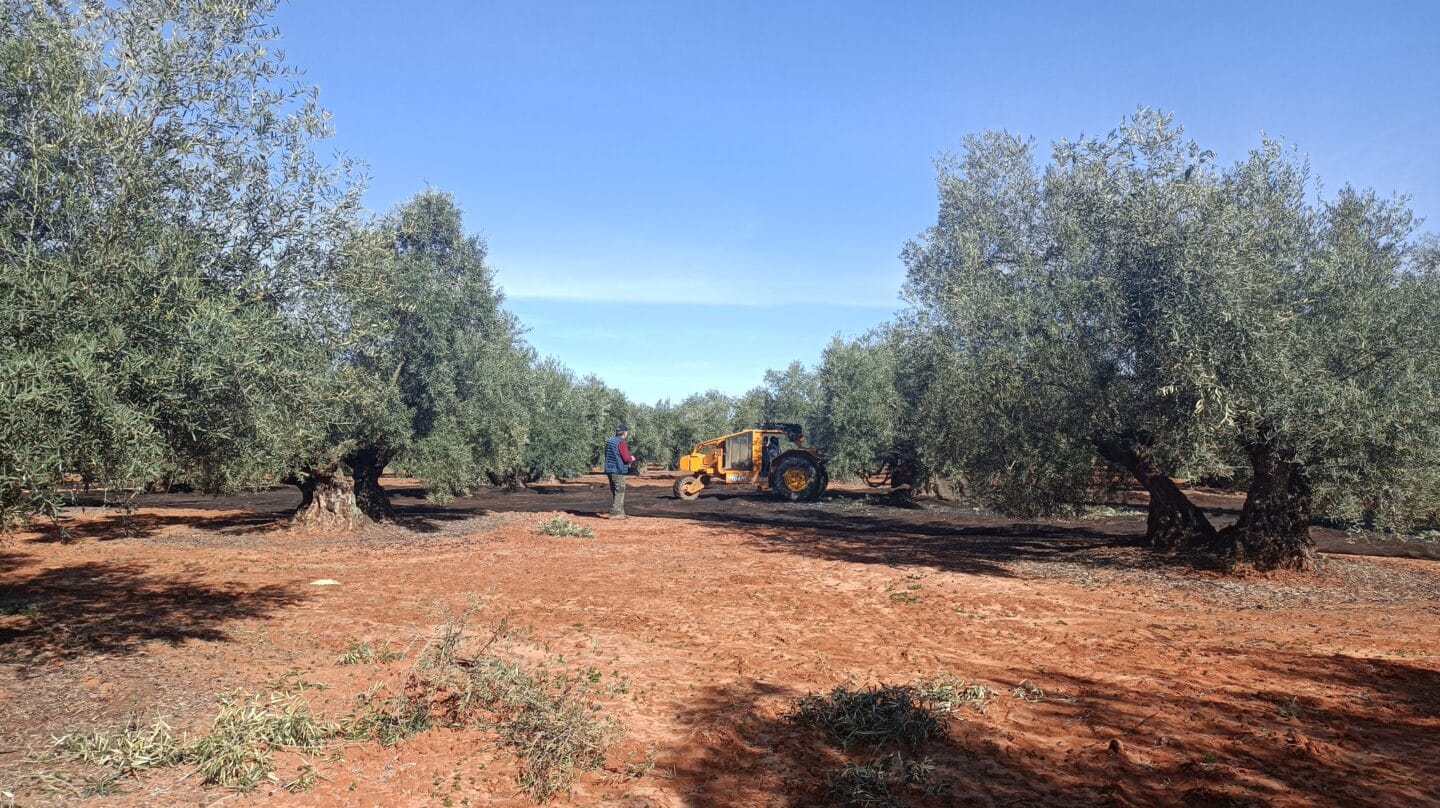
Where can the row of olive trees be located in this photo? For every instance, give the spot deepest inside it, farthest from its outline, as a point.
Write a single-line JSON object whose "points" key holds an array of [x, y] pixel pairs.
{"points": [[189, 295], [1131, 305]]}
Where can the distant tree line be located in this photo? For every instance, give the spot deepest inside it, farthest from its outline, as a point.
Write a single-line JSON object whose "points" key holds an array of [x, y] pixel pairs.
{"points": [[190, 295]]}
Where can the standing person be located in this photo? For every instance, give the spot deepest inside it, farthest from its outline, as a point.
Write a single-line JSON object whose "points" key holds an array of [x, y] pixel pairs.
{"points": [[772, 451], [617, 465]]}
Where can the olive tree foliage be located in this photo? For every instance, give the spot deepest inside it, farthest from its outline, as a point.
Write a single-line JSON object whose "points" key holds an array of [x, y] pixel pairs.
{"points": [[785, 396], [749, 409], [858, 405], [570, 420], [163, 222], [700, 417], [429, 373], [1048, 292], [653, 433], [1134, 303], [1311, 345], [791, 395]]}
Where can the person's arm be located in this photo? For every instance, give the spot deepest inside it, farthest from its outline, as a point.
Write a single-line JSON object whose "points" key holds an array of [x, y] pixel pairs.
{"points": [[625, 453]]}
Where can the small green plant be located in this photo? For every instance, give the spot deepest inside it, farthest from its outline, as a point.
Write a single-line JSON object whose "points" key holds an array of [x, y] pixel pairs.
{"points": [[909, 596], [560, 527], [365, 653]]}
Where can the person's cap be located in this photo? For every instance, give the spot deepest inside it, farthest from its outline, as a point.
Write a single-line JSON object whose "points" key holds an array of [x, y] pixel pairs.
{"points": [[621, 428]]}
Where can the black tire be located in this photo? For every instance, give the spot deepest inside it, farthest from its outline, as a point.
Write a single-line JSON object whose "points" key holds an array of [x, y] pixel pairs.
{"points": [[680, 486], [798, 478]]}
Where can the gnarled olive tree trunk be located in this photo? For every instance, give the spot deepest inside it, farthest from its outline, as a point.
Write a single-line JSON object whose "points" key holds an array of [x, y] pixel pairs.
{"points": [[1174, 523], [366, 466], [511, 480], [331, 500], [327, 501], [1273, 531]]}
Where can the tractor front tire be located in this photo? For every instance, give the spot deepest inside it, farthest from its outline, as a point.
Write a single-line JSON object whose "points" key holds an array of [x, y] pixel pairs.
{"points": [[798, 479], [687, 488]]}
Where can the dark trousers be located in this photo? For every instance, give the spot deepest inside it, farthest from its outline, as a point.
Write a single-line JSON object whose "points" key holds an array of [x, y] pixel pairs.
{"points": [[617, 494]]}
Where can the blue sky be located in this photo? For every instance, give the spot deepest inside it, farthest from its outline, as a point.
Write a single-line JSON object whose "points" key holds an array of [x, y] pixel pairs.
{"points": [[679, 195]]}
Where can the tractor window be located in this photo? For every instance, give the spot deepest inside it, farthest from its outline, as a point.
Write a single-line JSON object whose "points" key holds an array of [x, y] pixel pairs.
{"points": [[740, 452]]}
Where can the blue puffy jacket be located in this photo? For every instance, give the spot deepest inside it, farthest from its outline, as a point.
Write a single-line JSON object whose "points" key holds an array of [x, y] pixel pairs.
{"points": [[614, 463]]}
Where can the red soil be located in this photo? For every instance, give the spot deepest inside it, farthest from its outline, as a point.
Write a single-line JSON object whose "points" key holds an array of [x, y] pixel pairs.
{"points": [[1148, 684]]}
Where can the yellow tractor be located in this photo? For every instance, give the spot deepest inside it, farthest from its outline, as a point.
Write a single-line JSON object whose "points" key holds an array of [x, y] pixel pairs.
{"points": [[770, 456]]}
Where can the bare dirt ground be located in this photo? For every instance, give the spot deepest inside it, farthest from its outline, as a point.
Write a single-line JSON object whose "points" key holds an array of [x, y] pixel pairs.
{"points": [[1118, 678]]}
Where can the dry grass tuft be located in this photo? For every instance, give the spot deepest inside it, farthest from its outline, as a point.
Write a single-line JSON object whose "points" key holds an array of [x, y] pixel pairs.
{"points": [[238, 752], [874, 717], [560, 527], [365, 653], [548, 718]]}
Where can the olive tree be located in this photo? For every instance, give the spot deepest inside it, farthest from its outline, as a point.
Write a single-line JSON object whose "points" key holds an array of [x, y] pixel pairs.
{"points": [[1311, 345], [1048, 290], [429, 370], [1134, 303], [163, 224], [700, 417]]}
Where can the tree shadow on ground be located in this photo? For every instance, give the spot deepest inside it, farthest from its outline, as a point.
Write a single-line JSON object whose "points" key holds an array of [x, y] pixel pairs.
{"points": [[881, 534], [116, 609], [263, 512], [119, 526], [744, 749], [1331, 730], [982, 549], [1366, 737]]}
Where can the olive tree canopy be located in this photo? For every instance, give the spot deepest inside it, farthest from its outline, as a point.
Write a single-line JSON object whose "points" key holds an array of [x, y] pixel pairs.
{"points": [[163, 222], [1135, 303], [429, 372]]}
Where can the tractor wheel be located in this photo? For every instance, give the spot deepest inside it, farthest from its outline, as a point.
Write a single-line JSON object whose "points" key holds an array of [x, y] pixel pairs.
{"points": [[687, 488], [798, 479]]}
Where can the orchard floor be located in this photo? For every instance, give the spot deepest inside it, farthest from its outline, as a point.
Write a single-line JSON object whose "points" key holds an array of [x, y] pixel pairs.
{"points": [[1118, 678]]}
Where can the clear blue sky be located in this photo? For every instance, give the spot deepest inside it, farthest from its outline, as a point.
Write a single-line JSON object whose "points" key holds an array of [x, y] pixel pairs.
{"points": [[679, 195]]}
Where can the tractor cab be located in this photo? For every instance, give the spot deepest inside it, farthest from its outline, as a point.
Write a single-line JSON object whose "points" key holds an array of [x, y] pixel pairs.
{"points": [[772, 456]]}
